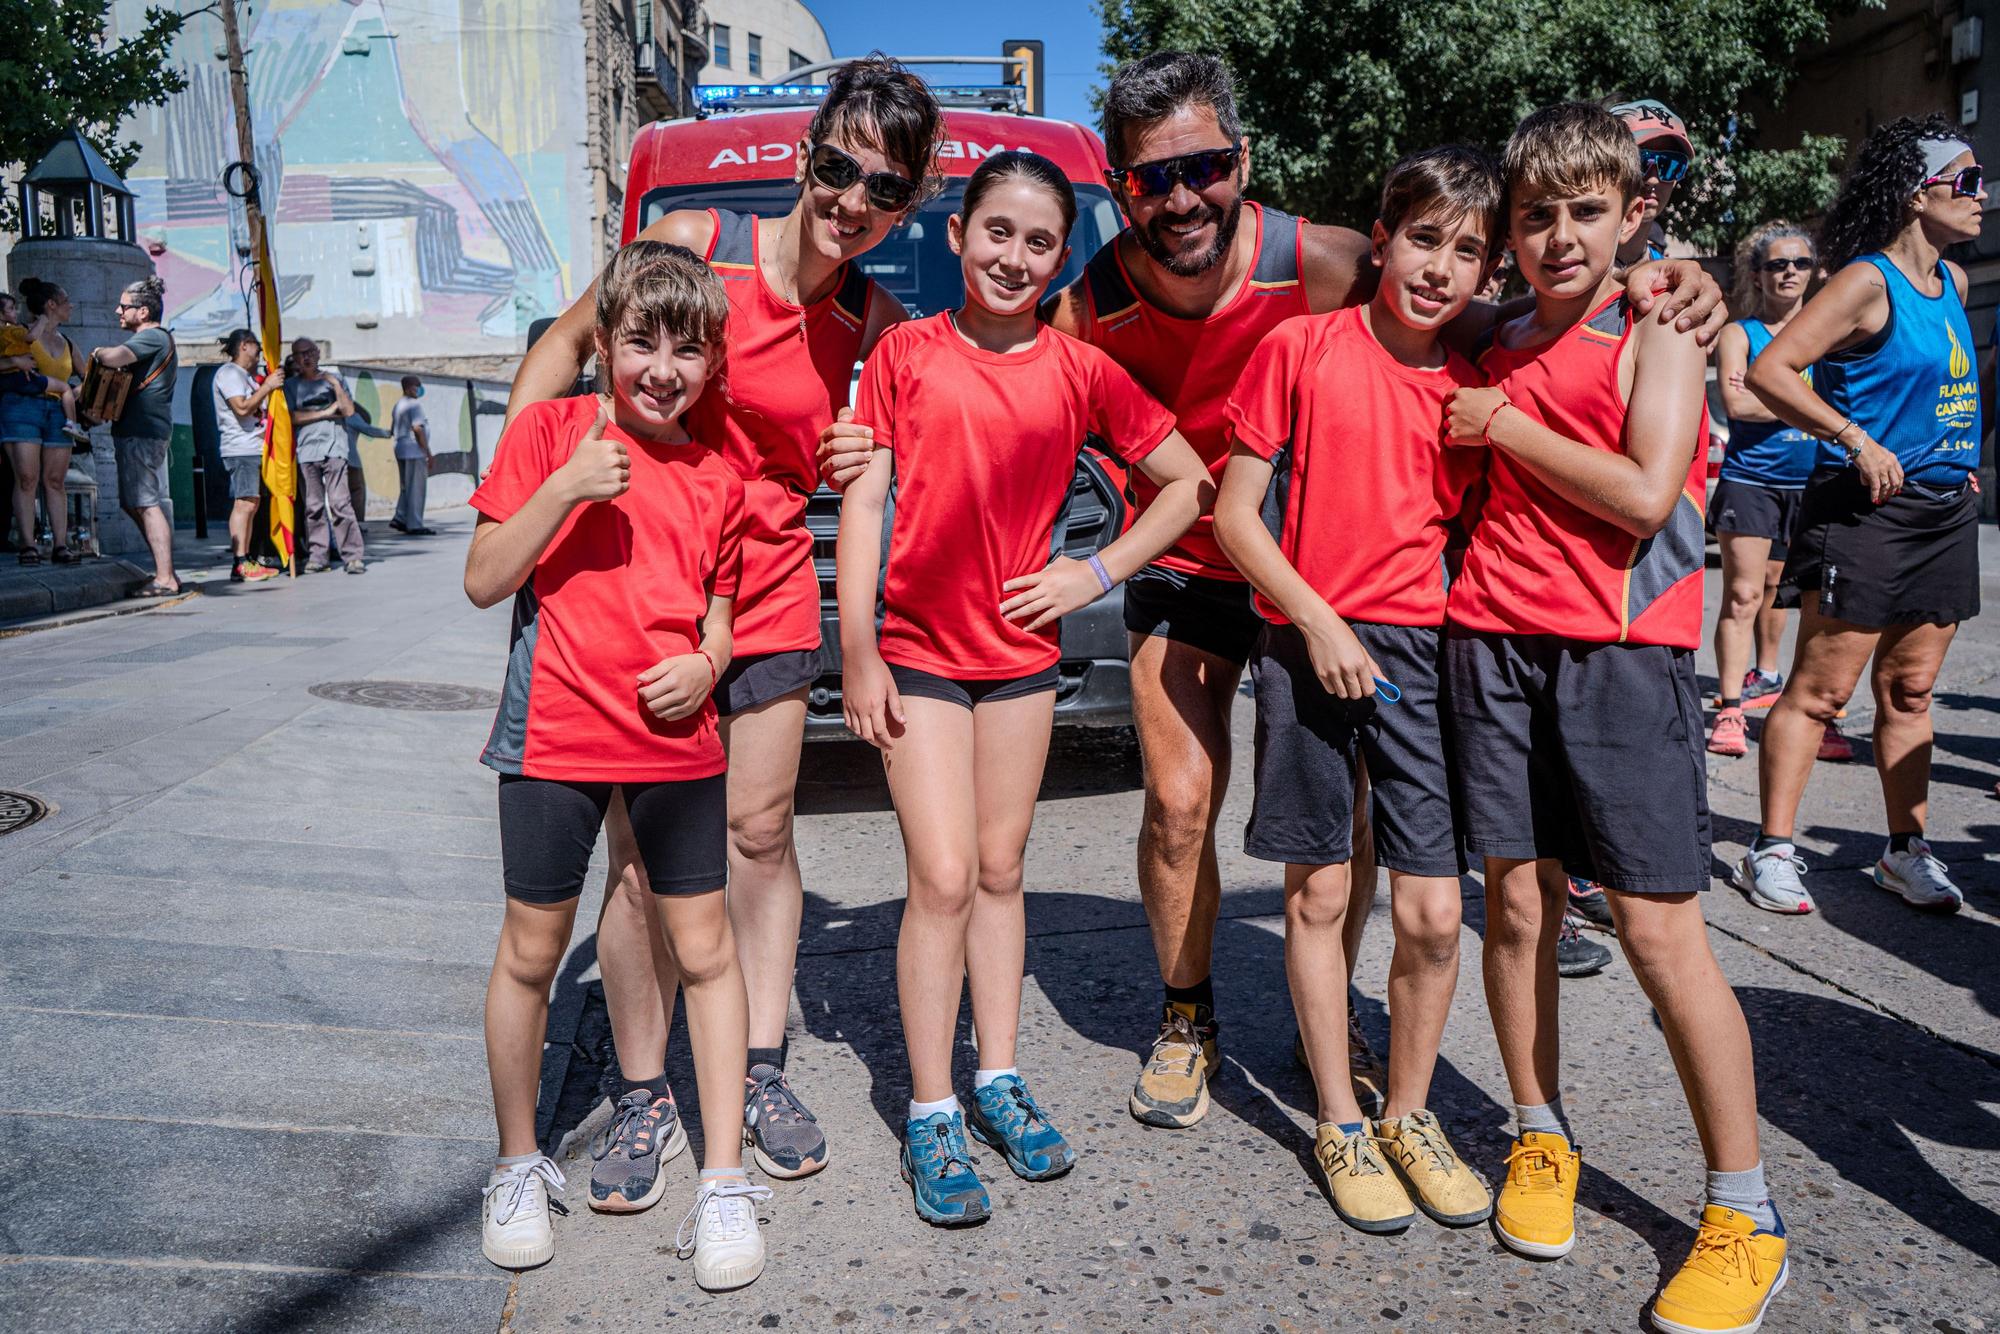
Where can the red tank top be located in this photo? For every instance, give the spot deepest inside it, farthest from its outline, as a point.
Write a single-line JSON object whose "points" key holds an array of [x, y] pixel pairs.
{"points": [[1192, 366], [1539, 564], [789, 370]]}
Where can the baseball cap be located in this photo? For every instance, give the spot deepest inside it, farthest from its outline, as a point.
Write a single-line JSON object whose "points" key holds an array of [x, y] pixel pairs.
{"points": [[1652, 121]]}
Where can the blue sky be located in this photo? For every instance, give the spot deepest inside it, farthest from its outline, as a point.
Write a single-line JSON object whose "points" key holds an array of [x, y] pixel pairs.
{"points": [[1068, 29]]}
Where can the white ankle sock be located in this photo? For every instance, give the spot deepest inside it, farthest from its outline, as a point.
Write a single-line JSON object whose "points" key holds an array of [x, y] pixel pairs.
{"points": [[981, 1078], [921, 1110]]}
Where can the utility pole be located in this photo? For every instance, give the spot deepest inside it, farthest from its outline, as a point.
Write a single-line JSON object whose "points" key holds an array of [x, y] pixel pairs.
{"points": [[246, 140]]}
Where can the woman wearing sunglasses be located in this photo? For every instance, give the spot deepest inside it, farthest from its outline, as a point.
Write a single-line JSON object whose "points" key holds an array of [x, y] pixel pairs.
{"points": [[1885, 561], [1756, 503], [801, 315]]}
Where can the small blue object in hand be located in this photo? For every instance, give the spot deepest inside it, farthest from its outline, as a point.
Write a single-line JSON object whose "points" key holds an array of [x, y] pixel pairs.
{"points": [[1388, 691]]}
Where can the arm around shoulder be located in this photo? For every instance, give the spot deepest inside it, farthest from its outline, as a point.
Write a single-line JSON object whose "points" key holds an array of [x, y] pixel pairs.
{"points": [[1334, 266]]}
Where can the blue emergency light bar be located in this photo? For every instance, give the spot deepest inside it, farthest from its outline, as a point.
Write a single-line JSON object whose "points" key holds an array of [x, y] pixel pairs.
{"points": [[713, 97]]}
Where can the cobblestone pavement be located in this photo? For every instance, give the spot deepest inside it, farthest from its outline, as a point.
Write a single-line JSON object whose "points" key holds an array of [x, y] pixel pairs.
{"points": [[243, 1084]]}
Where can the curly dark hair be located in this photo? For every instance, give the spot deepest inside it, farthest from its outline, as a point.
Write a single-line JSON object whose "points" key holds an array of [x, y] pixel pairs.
{"points": [[1874, 201]]}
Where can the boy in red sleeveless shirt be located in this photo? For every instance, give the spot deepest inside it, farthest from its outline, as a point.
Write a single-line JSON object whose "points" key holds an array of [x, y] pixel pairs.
{"points": [[1336, 448], [619, 537], [1571, 682]]}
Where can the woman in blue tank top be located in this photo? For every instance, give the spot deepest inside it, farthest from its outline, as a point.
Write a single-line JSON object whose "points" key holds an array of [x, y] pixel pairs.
{"points": [[1756, 501], [1885, 562]]}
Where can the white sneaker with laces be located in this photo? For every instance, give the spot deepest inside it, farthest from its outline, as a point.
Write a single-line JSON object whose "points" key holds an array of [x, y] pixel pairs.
{"points": [[1771, 879], [1919, 877], [722, 1232], [515, 1231]]}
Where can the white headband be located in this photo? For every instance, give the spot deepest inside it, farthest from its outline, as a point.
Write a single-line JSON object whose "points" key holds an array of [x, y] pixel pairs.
{"points": [[1940, 152]]}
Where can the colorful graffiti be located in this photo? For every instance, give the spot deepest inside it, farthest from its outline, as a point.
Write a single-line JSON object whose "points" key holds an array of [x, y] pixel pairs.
{"points": [[424, 161]]}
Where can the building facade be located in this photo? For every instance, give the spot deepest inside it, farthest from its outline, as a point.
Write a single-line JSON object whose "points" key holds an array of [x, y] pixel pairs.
{"points": [[440, 173], [760, 41]]}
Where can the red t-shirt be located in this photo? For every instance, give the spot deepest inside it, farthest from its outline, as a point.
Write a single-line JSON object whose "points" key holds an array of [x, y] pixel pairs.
{"points": [[1372, 491], [788, 373], [1539, 563], [623, 584], [985, 448]]}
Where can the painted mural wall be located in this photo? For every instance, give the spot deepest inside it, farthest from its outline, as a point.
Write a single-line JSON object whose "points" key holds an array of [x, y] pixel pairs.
{"points": [[424, 159]]}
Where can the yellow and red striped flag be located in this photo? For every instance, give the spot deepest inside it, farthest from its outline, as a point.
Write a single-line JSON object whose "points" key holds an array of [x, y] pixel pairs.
{"points": [[281, 469]]}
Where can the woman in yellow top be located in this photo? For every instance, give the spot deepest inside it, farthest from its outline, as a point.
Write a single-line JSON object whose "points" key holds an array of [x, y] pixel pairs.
{"points": [[32, 426]]}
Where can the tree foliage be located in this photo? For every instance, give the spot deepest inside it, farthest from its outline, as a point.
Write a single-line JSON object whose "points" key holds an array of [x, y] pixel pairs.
{"points": [[1332, 91], [58, 69]]}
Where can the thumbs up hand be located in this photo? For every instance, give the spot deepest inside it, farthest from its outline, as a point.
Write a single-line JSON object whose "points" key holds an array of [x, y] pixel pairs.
{"points": [[600, 468]]}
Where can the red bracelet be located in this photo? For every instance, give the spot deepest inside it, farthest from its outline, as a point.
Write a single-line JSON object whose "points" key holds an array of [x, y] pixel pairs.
{"points": [[1486, 431], [713, 675]]}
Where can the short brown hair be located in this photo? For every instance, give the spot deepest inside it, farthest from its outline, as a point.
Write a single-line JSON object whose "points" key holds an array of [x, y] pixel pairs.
{"points": [[1445, 185], [656, 287], [1572, 148]]}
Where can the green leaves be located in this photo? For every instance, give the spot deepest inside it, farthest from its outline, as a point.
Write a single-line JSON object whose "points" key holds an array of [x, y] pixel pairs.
{"points": [[1333, 91]]}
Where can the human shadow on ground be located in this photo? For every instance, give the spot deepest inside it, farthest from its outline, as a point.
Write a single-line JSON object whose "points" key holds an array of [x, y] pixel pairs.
{"points": [[1857, 1088]]}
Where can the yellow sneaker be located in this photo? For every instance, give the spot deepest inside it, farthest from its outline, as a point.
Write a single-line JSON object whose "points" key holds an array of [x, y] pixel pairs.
{"points": [[1366, 1194], [1731, 1276], [1173, 1083], [1440, 1182], [1536, 1213]]}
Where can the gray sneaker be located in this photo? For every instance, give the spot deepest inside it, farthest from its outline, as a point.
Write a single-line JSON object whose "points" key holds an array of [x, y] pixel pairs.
{"points": [[356, 567], [645, 1131], [784, 1137], [1772, 879]]}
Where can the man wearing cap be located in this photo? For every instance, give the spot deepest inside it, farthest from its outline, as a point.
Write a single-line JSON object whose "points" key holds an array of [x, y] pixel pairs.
{"points": [[1665, 153]]}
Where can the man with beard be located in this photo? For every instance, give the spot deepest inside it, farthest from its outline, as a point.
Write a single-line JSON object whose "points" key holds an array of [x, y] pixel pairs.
{"points": [[1180, 299]]}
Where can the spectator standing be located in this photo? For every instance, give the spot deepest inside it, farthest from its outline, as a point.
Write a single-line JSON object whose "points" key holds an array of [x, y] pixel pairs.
{"points": [[1665, 154], [146, 424], [319, 403], [358, 425], [31, 425], [239, 427], [413, 457]]}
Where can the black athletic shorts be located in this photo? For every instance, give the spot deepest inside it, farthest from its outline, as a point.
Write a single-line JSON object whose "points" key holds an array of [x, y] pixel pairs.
{"points": [[548, 828], [970, 694], [1213, 615], [759, 678], [1309, 742], [1751, 509], [1589, 753], [1912, 560]]}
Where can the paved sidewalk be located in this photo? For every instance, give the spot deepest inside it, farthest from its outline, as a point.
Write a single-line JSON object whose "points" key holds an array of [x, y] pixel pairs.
{"points": [[243, 1084]]}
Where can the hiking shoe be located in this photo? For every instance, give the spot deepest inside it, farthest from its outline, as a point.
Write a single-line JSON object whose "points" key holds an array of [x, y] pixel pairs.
{"points": [[1731, 735], [356, 567], [783, 1136], [1730, 1277], [1575, 956], [721, 1232], [1919, 877], [1535, 1215], [1834, 745], [1007, 1117], [1172, 1089], [1439, 1181], [317, 567], [1366, 1194], [1772, 879], [514, 1213], [938, 1166], [1761, 691], [1589, 905], [645, 1131]]}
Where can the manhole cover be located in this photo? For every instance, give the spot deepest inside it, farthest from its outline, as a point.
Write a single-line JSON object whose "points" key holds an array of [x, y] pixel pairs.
{"points": [[417, 696], [18, 810]]}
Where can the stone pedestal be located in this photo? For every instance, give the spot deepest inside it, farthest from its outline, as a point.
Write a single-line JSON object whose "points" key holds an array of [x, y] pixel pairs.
{"points": [[94, 271]]}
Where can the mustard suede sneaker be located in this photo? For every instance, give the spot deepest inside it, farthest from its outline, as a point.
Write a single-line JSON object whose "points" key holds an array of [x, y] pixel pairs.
{"points": [[1439, 1181], [1172, 1090], [1535, 1215], [1367, 1195], [1732, 1274]]}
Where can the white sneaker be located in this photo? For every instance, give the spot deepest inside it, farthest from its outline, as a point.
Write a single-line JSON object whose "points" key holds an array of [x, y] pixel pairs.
{"points": [[1919, 877], [516, 1232], [1771, 879], [722, 1232]]}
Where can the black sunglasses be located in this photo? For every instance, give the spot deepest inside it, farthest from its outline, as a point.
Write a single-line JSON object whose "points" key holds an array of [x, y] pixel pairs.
{"points": [[1802, 263], [838, 172], [1668, 166], [1965, 182], [1197, 171]]}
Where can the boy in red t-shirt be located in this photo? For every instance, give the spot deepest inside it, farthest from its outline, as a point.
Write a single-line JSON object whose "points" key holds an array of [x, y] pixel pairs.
{"points": [[1572, 689], [618, 536], [1338, 503]]}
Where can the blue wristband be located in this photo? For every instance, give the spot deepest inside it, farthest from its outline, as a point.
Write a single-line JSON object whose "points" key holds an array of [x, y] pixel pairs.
{"points": [[1103, 575]]}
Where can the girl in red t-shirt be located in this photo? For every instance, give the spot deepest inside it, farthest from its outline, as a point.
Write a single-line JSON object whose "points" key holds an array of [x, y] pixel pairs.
{"points": [[619, 537], [978, 415]]}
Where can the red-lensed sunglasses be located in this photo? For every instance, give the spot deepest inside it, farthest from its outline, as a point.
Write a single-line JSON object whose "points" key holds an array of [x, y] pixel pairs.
{"points": [[1965, 183]]}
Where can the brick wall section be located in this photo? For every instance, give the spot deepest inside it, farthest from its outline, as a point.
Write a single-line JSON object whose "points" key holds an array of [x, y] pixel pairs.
{"points": [[611, 114]]}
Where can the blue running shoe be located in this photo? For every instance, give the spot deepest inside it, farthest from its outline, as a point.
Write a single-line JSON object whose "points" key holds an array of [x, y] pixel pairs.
{"points": [[1005, 1115], [938, 1166]]}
